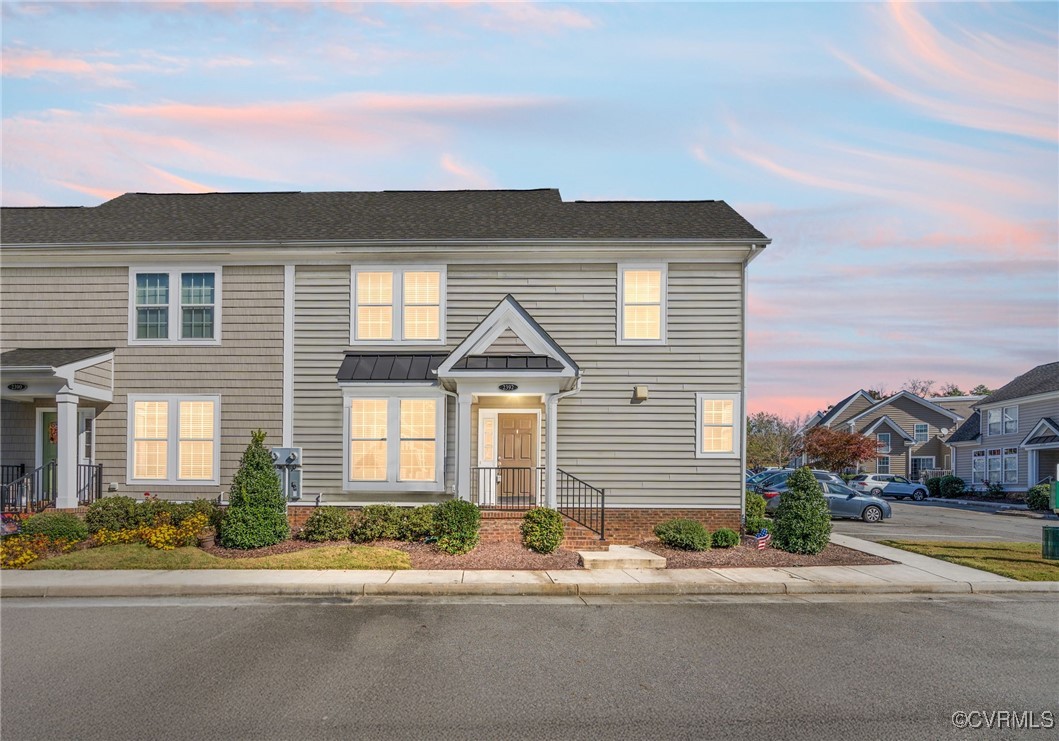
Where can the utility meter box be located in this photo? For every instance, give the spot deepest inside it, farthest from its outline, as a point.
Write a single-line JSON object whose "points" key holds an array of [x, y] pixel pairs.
{"points": [[289, 469]]}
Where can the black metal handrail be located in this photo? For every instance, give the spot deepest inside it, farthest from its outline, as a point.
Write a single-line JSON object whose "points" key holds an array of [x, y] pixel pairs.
{"points": [[11, 472], [89, 482], [507, 487], [30, 493], [581, 502]]}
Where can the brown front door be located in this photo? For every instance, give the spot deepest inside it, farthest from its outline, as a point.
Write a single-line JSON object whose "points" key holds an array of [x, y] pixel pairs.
{"points": [[518, 457]]}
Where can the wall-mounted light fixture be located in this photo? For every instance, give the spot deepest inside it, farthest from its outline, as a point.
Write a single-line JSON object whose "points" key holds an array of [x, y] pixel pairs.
{"points": [[639, 394]]}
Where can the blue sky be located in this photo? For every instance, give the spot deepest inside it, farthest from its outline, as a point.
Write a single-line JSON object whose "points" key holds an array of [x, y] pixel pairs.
{"points": [[903, 157]]}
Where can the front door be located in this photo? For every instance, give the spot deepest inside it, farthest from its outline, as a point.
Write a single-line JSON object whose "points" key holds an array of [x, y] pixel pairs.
{"points": [[517, 457], [49, 445]]}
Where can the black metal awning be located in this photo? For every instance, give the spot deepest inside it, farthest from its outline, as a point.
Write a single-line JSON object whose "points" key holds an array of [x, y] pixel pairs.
{"points": [[391, 367]]}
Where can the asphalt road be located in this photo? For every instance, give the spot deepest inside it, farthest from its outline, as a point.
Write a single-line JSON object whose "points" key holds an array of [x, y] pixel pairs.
{"points": [[936, 521], [780, 667]]}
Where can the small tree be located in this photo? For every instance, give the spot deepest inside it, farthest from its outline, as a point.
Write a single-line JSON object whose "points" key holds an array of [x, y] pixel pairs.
{"points": [[771, 440], [837, 449], [803, 521], [951, 389], [981, 390], [257, 510]]}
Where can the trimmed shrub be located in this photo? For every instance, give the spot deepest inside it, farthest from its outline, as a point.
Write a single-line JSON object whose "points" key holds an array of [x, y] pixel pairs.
{"points": [[416, 523], [687, 535], [1037, 497], [542, 529], [56, 525], [111, 513], [934, 486], [257, 510], [951, 486], [376, 522], [755, 513], [178, 513], [327, 523], [456, 524], [803, 521], [995, 489], [725, 538]]}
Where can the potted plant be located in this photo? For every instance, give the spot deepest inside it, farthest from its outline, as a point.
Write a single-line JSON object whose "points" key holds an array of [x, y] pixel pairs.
{"points": [[207, 538]]}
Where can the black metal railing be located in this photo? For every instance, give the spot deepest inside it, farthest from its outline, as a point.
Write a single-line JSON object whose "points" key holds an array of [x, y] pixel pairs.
{"points": [[89, 482], [11, 472], [507, 487], [32, 492], [581, 502]]}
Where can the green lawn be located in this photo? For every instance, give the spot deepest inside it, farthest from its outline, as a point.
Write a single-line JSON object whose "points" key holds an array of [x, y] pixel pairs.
{"points": [[140, 556], [1020, 561]]}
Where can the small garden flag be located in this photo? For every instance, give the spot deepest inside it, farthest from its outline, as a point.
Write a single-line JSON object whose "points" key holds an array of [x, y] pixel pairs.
{"points": [[764, 538]]}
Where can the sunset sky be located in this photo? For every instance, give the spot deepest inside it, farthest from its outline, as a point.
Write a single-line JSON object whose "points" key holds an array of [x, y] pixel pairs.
{"points": [[903, 157]]}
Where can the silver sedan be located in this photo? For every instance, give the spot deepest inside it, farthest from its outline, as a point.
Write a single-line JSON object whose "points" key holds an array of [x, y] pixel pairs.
{"points": [[842, 501]]}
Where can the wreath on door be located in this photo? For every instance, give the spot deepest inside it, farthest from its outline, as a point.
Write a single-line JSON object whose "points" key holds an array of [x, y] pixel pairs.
{"points": [[53, 433]]}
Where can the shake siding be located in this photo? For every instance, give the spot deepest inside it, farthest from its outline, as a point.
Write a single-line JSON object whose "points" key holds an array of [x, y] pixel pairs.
{"points": [[97, 376], [642, 454], [88, 307]]}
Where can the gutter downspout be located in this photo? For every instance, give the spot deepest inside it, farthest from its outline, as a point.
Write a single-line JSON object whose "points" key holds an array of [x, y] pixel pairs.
{"points": [[551, 469], [456, 473]]}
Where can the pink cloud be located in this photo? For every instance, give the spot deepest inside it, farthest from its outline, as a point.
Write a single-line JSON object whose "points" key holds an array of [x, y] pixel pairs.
{"points": [[467, 176]]}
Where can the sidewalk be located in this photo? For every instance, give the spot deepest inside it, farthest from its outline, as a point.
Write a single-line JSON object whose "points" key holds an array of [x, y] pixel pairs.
{"points": [[911, 573]]}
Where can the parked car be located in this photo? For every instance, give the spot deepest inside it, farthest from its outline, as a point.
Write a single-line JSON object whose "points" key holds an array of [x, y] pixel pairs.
{"points": [[780, 476], [842, 501], [889, 485], [761, 475]]}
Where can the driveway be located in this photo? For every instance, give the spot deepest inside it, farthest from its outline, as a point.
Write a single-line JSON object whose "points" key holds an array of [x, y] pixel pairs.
{"points": [[937, 521]]}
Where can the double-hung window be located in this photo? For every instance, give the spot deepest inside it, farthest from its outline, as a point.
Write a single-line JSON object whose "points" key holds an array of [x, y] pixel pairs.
{"points": [[642, 304], [882, 464], [718, 418], [1002, 420], [1011, 465], [174, 439], [397, 306], [174, 306], [994, 466], [883, 442], [921, 432], [394, 440], [978, 466]]}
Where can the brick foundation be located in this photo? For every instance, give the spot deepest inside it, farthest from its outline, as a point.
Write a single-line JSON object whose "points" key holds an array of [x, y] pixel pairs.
{"points": [[631, 526]]}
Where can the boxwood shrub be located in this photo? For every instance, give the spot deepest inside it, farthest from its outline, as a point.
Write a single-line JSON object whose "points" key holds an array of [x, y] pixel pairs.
{"points": [[416, 523], [725, 538], [542, 529], [951, 486], [687, 535], [111, 513], [934, 486], [56, 525], [456, 525], [327, 523], [755, 513], [257, 510], [376, 522], [803, 521], [1037, 497]]}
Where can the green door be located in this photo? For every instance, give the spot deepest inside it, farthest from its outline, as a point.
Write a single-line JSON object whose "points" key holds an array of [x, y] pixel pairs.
{"points": [[49, 445]]}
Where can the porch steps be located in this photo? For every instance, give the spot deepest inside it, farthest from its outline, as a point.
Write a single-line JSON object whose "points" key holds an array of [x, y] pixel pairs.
{"points": [[622, 557], [502, 526]]}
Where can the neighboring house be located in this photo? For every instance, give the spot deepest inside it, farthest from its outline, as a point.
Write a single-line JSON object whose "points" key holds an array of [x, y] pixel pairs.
{"points": [[911, 431], [1012, 438], [505, 347]]}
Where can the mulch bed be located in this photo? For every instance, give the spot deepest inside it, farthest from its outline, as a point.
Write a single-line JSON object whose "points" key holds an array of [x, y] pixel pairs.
{"points": [[487, 556], [744, 555]]}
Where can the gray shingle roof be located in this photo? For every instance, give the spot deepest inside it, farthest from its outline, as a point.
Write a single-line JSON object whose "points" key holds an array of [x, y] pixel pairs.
{"points": [[508, 362], [968, 431], [833, 411], [49, 357], [390, 366], [385, 215], [1040, 380], [1046, 438]]}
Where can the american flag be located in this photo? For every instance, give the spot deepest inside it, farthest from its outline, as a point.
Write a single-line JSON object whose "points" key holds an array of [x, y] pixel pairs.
{"points": [[763, 539]]}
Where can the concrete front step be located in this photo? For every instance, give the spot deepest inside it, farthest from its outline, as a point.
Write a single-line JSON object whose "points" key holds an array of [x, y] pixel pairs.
{"points": [[621, 557]]}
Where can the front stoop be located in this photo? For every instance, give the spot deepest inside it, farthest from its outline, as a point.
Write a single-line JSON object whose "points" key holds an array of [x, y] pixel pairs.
{"points": [[621, 557]]}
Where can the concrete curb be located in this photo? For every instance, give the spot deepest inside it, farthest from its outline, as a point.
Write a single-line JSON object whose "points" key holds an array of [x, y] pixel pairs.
{"points": [[972, 503]]}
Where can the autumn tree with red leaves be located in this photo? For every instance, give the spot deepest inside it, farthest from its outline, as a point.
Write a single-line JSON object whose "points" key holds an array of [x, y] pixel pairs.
{"points": [[836, 450]]}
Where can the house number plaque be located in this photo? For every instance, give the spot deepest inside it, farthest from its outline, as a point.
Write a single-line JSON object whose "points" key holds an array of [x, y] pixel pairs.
{"points": [[508, 387], [16, 387]]}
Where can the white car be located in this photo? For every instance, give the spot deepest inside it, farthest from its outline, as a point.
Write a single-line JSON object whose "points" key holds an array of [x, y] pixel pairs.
{"points": [[888, 485]]}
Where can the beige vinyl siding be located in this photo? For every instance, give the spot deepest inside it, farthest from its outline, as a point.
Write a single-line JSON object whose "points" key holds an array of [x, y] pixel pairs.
{"points": [[96, 376], [48, 307], [508, 343], [16, 433], [906, 413], [1030, 413], [857, 406], [644, 454]]}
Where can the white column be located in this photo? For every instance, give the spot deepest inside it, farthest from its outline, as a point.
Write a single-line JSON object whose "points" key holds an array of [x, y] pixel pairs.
{"points": [[1033, 463], [66, 468], [551, 439], [463, 452]]}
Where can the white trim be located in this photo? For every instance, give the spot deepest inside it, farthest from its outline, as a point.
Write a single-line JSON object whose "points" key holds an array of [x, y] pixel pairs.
{"points": [[893, 425], [888, 471], [907, 395], [497, 411], [1002, 408], [1033, 433], [933, 463], [38, 448], [393, 393], [288, 356], [926, 434], [737, 438], [879, 443], [172, 440], [663, 268], [85, 413], [174, 307], [1043, 396], [860, 393], [397, 310]]}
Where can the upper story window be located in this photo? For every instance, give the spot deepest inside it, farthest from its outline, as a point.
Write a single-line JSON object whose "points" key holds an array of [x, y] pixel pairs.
{"points": [[398, 305], [717, 434], [170, 306], [922, 432], [642, 299], [1002, 420], [883, 439]]}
